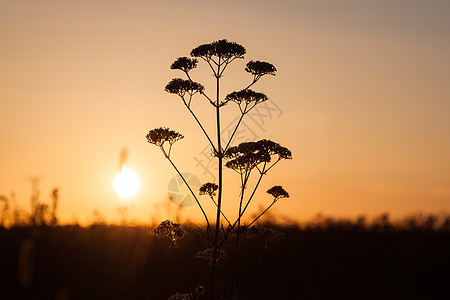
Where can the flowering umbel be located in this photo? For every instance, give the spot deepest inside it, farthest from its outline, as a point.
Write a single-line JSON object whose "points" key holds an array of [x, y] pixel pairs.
{"points": [[260, 68], [249, 155], [184, 64], [246, 99], [171, 230], [223, 49], [278, 192], [159, 136], [181, 87], [208, 188]]}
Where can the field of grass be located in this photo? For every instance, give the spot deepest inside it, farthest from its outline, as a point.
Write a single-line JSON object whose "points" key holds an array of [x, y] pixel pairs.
{"points": [[329, 259]]}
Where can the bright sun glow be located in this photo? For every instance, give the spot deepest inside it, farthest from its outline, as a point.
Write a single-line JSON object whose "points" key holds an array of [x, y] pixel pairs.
{"points": [[126, 183]]}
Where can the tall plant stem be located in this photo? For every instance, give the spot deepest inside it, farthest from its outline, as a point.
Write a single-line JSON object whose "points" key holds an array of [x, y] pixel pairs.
{"points": [[219, 196], [223, 215], [236, 245], [262, 213], [250, 198], [193, 194]]}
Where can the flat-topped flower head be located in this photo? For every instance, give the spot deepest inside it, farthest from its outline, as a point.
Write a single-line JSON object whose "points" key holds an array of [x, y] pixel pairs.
{"points": [[208, 188], [278, 192], [170, 230], [223, 49], [247, 161], [181, 87], [248, 155], [275, 149], [260, 68], [184, 64], [246, 96], [159, 136]]}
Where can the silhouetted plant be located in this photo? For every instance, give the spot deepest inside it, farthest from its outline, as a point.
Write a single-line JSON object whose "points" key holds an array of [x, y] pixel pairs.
{"points": [[246, 158], [168, 229]]}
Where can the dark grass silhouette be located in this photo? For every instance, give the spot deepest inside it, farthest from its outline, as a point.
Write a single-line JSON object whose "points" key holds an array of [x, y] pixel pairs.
{"points": [[327, 259]]}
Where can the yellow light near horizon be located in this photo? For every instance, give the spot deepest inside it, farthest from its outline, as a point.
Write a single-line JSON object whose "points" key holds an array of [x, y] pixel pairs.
{"points": [[126, 183]]}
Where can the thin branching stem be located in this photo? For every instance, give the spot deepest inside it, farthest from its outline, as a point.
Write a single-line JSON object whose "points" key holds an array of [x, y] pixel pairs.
{"points": [[253, 82], [226, 65], [202, 92], [201, 126], [234, 132], [223, 215], [244, 180], [272, 165], [259, 216], [212, 68], [254, 190], [193, 194], [220, 184]]}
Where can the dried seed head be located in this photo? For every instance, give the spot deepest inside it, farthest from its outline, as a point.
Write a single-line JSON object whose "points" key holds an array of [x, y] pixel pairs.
{"points": [[184, 64], [223, 49], [208, 188], [278, 192], [260, 68], [169, 229], [159, 136]]}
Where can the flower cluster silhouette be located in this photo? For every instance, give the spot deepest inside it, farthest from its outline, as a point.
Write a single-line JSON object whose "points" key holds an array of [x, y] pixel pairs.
{"points": [[278, 192], [184, 64], [223, 49], [208, 188], [171, 230], [161, 135]]}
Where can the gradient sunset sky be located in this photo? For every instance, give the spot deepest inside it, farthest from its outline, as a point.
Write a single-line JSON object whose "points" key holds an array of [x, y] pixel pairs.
{"points": [[361, 97]]}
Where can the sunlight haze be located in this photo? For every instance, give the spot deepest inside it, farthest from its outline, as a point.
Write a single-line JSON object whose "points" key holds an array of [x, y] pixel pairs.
{"points": [[361, 97]]}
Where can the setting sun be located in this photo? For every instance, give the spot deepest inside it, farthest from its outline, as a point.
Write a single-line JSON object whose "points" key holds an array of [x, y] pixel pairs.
{"points": [[126, 183]]}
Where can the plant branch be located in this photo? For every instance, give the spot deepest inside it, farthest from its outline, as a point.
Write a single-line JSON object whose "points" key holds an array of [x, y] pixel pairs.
{"points": [[203, 129], [221, 211], [220, 184], [262, 213], [236, 246], [202, 93], [193, 194], [234, 132], [254, 190]]}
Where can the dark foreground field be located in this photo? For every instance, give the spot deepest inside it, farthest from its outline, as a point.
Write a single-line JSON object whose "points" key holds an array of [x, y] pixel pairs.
{"points": [[326, 260]]}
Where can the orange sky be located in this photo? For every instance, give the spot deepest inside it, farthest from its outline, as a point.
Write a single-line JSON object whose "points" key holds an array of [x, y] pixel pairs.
{"points": [[362, 96]]}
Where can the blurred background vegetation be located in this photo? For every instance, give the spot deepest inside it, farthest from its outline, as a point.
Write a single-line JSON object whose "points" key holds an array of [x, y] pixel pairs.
{"points": [[324, 259]]}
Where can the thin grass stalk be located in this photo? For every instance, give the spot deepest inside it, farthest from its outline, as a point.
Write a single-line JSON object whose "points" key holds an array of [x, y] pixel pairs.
{"points": [[208, 226], [220, 183], [236, 245]]}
